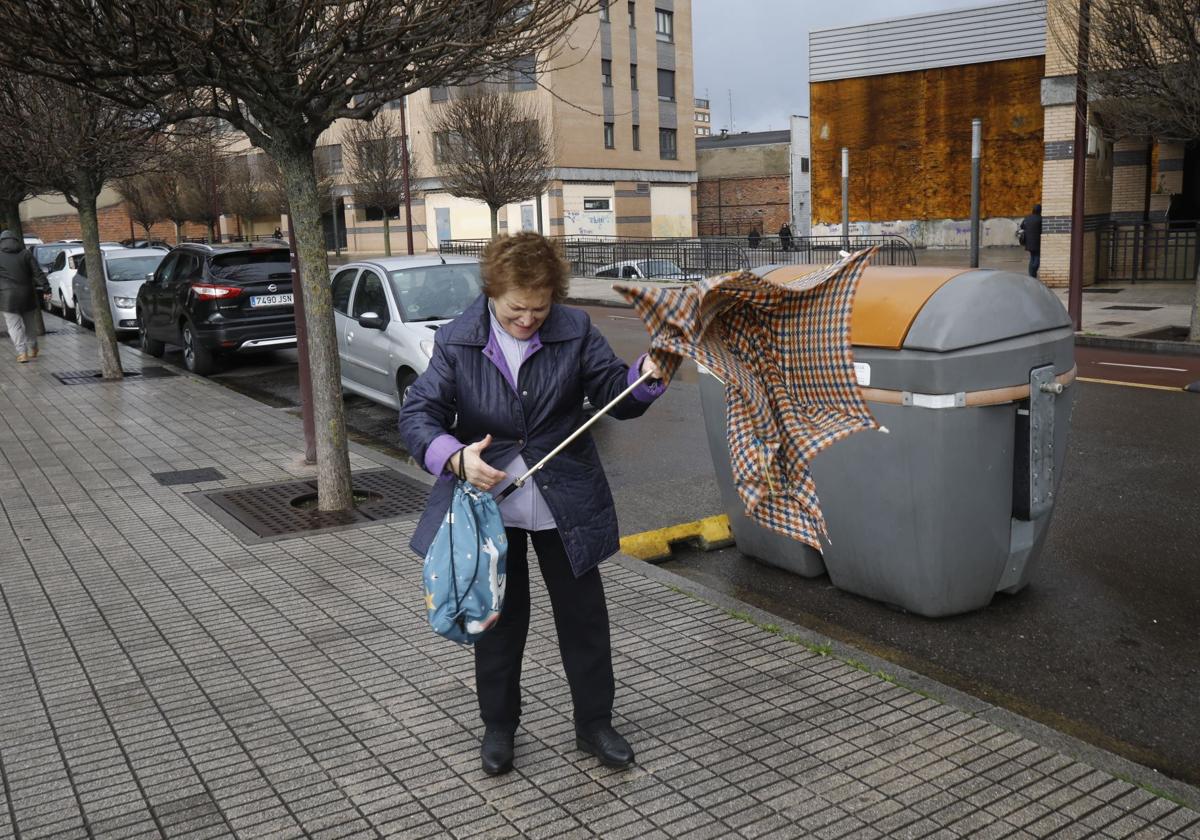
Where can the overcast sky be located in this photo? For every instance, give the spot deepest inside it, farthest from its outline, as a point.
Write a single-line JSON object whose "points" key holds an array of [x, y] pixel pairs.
{"points": [[758, 50]]}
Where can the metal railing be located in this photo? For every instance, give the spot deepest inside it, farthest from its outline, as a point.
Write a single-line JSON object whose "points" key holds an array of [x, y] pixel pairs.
{"points": [[706, 255], [1127, 252]]}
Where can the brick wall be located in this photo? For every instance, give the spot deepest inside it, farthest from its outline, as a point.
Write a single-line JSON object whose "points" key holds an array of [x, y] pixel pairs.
{"points": [[114, 226], [733, 205]]}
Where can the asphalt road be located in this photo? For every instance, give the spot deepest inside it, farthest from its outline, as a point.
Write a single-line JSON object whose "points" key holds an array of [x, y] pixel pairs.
{"points": [[1101, 644]]}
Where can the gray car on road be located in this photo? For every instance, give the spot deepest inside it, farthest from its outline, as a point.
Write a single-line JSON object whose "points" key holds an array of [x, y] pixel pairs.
{"points": [[125, 270], [387, 311]]}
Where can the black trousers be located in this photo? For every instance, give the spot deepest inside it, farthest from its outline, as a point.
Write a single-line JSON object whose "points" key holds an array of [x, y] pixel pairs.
{"points": [[581, 619]]}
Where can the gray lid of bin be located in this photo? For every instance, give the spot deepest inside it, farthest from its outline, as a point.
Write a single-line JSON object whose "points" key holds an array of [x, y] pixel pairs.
{"points": [[984, 306]]}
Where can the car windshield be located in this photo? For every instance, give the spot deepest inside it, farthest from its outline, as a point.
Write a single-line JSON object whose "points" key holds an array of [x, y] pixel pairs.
{"points": [[257, 264], [132, 268], [659, 268], [435, 292]]}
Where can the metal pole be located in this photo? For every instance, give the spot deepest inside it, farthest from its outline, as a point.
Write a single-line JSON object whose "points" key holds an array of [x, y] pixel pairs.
{"points": [[306, 392], [1079, 170], [976, 144], [407, 183], [337, 242], [845, 198]]}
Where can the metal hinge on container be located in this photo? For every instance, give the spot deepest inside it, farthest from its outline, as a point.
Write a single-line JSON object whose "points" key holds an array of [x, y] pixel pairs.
{"points": [[1042, 393]]}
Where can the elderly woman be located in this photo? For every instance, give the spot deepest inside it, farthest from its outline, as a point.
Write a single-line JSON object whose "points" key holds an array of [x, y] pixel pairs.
{"points": [[514, 369]]}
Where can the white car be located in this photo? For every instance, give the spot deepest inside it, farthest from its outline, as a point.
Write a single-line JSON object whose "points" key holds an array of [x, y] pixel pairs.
{"points": [[386, 312], [62, 273], [125, 270], [656, 269]]}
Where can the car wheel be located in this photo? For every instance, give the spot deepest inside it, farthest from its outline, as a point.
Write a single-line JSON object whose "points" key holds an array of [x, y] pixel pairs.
{"points": [[151, 346], [67, 312], [196, 357], [404, 381], [79, 319]]}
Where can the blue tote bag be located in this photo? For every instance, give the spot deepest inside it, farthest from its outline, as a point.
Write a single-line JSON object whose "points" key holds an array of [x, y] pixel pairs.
{"points": [[465, 567]]}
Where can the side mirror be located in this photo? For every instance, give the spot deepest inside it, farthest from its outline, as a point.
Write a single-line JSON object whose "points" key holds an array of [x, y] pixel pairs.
{"points": [[371, 321], [150, 275]]}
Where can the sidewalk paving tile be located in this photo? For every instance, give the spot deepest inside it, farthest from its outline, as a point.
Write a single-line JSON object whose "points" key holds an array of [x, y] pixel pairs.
{"points": [[161, 679]]}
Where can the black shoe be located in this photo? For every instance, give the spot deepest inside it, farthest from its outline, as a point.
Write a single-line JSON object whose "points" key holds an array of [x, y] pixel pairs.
{"points": [[606, 744], [496, 752]]}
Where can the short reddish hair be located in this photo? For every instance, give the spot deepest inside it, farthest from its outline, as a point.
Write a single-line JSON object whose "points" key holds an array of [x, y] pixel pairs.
{"points": [[525, 260]]}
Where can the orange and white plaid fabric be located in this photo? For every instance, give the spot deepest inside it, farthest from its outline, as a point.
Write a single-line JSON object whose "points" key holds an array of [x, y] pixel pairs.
{"points": [[784, 354]]}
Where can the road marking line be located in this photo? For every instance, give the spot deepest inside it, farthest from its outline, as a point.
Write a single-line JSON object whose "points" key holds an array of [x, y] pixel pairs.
{"points": [[1130, 384], [1143, 367], [711, 532]]}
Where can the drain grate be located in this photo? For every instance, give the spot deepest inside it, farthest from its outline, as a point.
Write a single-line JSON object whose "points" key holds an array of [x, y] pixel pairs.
{"points": [[188, 476], [90, 377], [1115, 323], [266, 511], [1092, 290], [1132, 308]]}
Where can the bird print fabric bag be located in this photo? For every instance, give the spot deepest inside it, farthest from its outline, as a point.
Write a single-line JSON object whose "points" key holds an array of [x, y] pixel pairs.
{"points": [[465, 567]]}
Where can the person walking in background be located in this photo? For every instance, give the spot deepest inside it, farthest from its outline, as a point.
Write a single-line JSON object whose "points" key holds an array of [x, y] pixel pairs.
{"points": [[785, 237], [754, 237], [22, 283], [505, 385], [1029, 234]]}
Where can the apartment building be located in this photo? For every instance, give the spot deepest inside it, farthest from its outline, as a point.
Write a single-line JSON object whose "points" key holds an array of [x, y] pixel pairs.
{"points": [[703, 118], [617, 100]]}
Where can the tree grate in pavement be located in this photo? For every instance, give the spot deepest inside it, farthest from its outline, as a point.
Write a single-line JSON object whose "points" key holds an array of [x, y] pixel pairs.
{"points": [[1132, 308], [188, 476], [269, 511], [1115, 323], [90, 377]]}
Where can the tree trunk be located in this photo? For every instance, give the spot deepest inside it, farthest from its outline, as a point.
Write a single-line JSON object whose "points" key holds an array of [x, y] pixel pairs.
{"points": [[249, 228], [495, 213], [333, 457], [1194, 332], [387, 235], [106, 336]]}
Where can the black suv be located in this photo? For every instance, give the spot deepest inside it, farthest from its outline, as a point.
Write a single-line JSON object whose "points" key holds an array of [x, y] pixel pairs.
{"points": [[212, 299]]}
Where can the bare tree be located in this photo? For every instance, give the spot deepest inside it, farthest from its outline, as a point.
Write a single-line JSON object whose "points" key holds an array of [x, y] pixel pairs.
{"points": [[171, 191], [1143, 71], [204, 157], [246, 193], [141, 203], [74, 143], [283, 73], [492, 147], [375, 166]]}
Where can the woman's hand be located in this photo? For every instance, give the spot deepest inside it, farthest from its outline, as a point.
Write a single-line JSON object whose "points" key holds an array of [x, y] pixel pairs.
{"points": [[648, 366], [478, 472]]}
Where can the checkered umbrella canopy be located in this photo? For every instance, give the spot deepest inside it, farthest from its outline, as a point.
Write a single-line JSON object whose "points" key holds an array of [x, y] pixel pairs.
{"points": [[784, 354]]}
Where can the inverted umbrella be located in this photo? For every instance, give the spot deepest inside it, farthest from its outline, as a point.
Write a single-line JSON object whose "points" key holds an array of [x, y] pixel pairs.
{"points": [[784, 354]]}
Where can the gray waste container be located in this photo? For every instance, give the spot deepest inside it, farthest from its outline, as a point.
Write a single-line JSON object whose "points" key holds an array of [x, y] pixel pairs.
{"points": [[970, 371]]}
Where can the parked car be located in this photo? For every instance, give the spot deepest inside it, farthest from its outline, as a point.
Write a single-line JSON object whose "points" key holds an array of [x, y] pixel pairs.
{"points": [[657, 269], [145, 243], [386, 312], [62, 272], [32, 240], [47, 251], [125, 271], [215, 299]]}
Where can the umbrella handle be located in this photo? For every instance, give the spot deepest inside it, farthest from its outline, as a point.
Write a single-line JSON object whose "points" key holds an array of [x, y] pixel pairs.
{"points": [[520, 482]]}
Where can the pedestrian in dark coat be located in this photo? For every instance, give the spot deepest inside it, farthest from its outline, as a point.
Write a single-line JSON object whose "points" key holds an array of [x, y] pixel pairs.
{"points": [[514, 369], [21, 284], [785, 237], [1030, 232], [754, 237]]}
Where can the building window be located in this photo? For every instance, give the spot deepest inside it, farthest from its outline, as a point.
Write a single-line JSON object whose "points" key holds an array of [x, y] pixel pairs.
{"points": [[632, 15], [331, 158], [664, 25], [637, 137], [666, 85], [633, 77], [524, 73], [610, 136], [606, 71], [439, 94], [703, 131], [597, 204], [604, 11], [441, 146], [803, 164], [668, 149]]}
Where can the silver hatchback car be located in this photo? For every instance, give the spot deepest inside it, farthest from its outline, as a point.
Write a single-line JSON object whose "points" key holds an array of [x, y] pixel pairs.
{"points": [[386, 312]]}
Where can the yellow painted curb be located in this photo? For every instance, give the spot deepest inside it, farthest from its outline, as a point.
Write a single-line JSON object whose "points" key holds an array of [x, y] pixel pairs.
{"points": [[712, 532]]}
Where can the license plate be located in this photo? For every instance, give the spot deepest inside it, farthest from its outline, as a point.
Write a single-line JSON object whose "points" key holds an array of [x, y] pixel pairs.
{"points": [[271, 300]]}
